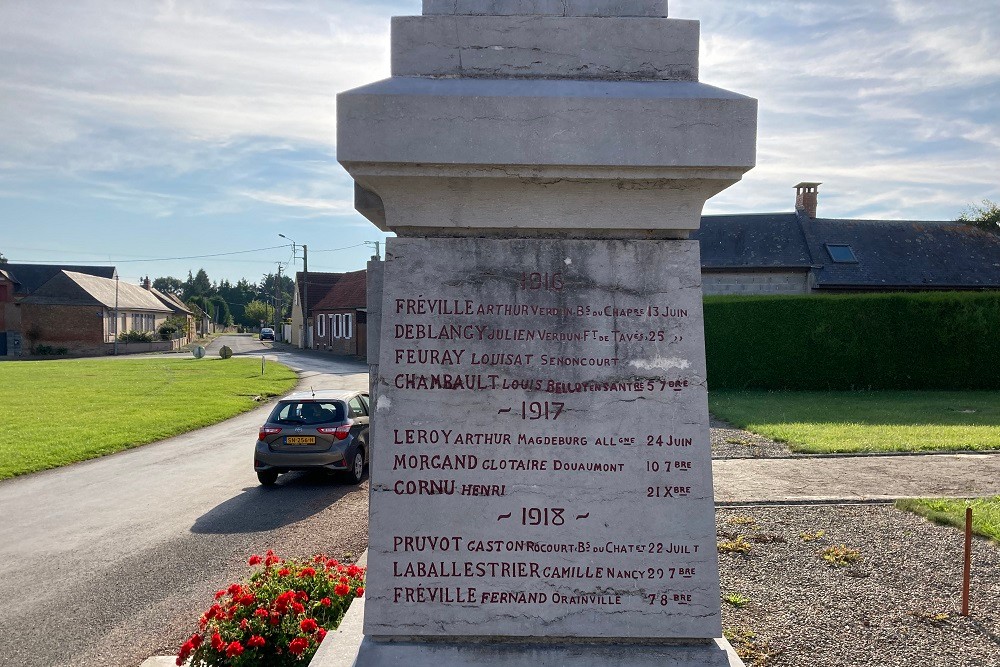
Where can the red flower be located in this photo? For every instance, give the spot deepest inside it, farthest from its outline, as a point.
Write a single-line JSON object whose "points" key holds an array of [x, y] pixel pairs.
{"points": [[219, 594], [248, 600], [284, 572], [320, 635], [298, 646], [195, 640], [298, 608], [342, 589], [234, 649], [345, 580], [307, 572], [332, 563], [256, 641], [260, 611], [217, 642], [235, 590], [319, 558], [326, 602], [254, 560], [308, 625], [360, 592], [353, 571], [271, 559], [275, 619]]}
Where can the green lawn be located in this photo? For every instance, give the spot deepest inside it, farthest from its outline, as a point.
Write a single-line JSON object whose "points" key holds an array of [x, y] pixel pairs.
{"points": [[985, 513], [58, 412], [817, 422]]}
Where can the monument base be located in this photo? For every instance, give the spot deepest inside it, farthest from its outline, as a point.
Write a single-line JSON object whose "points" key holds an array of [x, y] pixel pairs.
{"points": [[349, 647]]}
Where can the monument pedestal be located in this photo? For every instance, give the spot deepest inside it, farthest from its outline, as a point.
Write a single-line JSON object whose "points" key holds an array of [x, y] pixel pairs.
{"points": [[349, 647], [541, 475]]}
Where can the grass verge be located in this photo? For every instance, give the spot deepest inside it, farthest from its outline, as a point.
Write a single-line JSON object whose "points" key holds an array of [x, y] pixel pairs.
{"points": [[60, 412], [819, 422], [951, 512]]}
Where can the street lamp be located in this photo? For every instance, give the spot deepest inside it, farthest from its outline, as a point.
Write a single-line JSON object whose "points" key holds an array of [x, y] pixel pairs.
{"points": [[304, 339]]}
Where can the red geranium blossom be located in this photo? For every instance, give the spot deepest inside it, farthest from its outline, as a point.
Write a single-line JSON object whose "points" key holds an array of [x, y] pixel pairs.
{"points": [[284, 572], [298, 608], [360, 591], [254, 560], [217, 642], [234, 649], [308, 625], [320, 635], [298, 646], [256, 641], [342, 589], [326, 602]]}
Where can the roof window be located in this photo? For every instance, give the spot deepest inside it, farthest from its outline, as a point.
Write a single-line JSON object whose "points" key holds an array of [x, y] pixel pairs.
{"points": [[841, 253]]}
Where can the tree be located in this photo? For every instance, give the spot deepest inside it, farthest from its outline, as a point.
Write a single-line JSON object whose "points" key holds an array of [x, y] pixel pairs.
{"points": [[220, 310], [169, 285], [258, 311], [985, 216], [267, 285], [199, 285]]}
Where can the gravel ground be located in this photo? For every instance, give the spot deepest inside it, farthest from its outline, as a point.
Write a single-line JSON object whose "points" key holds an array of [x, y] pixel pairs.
{"points": [[897, 605], [729, 442]]}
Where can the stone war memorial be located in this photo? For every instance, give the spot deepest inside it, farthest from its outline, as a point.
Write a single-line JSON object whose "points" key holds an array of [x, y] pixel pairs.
{"points": [[541, 475]]}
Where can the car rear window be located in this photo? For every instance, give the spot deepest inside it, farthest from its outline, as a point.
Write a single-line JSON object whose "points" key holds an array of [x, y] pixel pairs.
{"points": [[308, 412]]}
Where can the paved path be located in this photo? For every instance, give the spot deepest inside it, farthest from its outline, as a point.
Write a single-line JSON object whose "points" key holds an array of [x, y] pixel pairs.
{"points": [[109, 561], [856, 478]]}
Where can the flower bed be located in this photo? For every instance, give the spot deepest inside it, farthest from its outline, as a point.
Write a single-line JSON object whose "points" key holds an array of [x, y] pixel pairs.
{"points": [[278, 616]]}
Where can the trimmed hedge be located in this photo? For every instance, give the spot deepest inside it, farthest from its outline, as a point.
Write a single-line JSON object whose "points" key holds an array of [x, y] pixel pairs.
{"points": [[947, 340]]}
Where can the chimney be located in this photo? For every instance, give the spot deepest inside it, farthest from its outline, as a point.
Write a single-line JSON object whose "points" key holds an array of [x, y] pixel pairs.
{"points": [[146, 283], [805, 198]]}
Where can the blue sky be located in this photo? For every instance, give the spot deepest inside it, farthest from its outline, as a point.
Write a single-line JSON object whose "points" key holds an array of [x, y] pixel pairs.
{"points": [[136, 131]]}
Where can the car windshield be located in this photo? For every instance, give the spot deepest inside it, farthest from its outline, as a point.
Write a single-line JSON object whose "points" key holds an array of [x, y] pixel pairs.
{"points": [[308, 412]]}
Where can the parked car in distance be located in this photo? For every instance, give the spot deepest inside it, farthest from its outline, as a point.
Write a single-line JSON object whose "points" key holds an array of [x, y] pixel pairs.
{"points": [[267, 333], [315, 430]]}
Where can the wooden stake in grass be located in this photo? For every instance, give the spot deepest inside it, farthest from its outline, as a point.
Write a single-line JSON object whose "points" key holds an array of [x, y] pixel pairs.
{"points": [[968, 561]]}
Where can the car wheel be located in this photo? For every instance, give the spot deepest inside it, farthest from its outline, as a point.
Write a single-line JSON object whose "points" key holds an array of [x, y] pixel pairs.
{"points": [[267, 478], [357, 470]]}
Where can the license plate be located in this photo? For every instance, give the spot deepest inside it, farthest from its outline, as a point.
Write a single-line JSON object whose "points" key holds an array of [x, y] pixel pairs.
{"points": [[300, 440]]}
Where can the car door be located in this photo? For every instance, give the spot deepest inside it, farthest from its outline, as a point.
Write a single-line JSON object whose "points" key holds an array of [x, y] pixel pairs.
{"points": [[358, 412]]}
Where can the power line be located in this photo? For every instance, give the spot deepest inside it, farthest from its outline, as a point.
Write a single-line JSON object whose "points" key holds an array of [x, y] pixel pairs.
{"points": [[358, 245], [159, 259]]}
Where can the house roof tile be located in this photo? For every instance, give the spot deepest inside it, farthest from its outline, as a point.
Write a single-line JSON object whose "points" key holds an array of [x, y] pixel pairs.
{"points": [[68, 288], [351, 291]]}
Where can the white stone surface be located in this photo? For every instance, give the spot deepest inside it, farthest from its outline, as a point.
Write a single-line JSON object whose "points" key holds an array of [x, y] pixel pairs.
{"points": [[545, 46], [655, 8], [503, 363]]}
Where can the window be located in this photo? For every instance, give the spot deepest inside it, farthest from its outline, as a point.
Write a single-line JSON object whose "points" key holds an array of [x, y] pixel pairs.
{"points": [[348, 327], [338, 326], [308, 412], [841, 254], [321, 326], [357, 409]]}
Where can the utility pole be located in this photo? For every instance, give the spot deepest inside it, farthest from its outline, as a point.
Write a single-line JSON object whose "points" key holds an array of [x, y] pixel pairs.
{"points": [[306, 342], [277, 306], [116, 313], [376, 245]]}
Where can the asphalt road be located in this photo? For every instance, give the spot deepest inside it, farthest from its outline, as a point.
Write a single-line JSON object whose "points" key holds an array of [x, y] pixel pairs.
{"points": [[110, 561]]}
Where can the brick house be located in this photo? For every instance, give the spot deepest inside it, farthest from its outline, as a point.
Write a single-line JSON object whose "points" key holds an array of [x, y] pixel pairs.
{"points": [[84, 313], [320, 284], [800, 253], [341, 317], [18, 282]]}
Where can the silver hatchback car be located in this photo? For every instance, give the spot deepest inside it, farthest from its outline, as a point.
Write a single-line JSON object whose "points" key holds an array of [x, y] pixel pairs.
{"points": [[320, 430]]}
